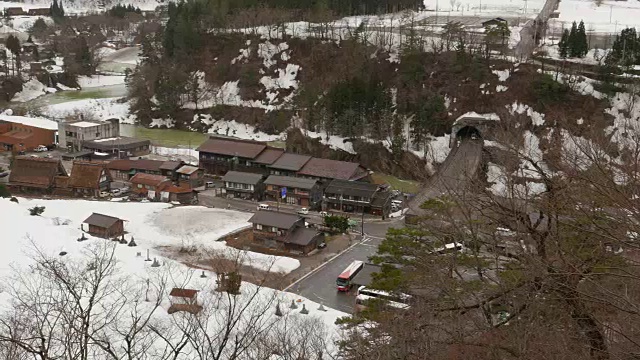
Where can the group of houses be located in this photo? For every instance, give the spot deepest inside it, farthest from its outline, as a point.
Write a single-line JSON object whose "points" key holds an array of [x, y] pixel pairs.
{"points": [[256, 171], [83, 139], [147, 179]]}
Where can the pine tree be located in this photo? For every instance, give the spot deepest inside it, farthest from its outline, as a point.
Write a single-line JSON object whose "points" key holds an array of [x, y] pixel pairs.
{"points": [[563, 45], [582, 46], [573, 42]]}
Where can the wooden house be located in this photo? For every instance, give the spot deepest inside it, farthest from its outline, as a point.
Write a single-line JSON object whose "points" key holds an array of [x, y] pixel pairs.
{"points": [[104, 226]]}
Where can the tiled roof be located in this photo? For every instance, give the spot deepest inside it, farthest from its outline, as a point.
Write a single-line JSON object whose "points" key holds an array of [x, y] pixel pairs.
{"points": [[85, 174], [100, 220], [184, 293], [148, 179], [141, 164], [302, 236], [232, 147], [242, 177], [290, 181], [35, 172], [187, 170], [269, 156], [293, 162], [352, 188], [272, 218], [170, 165], [332, 169]]}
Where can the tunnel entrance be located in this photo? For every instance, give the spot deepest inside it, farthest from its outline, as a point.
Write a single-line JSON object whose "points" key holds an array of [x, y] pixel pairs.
{"points": [[468, 132]]}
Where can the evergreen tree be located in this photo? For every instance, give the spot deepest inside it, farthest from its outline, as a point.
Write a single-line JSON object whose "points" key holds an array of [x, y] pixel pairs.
{"points": [[625, 49], [563, 45], [57, 11], [573, 42], [582, 46]]}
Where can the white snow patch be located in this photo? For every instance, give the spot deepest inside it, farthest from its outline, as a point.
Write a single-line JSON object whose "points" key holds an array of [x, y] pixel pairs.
{"points": [[267, 51], [100, 80], [537, 119], [32, 89], [503, 75], [473, 114], [101, 109]]}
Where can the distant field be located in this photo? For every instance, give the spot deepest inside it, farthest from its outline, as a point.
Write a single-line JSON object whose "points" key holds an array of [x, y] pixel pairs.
{"points": [[407, 186]]}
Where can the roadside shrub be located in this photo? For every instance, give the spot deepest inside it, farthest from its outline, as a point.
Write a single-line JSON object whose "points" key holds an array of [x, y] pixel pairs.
{"points": [[36, 210], [336, 222], [14, 199]]}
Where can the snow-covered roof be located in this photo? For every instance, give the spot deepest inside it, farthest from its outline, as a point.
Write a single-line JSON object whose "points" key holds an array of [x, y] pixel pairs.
{"points": [[473, 114], [41, 123], [84, 124]]}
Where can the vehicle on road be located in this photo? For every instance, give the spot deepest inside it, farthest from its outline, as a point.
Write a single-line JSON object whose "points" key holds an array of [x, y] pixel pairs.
{"points": [[209, 184], [365, 295], [449, 248], [322, 245], [323, 213], [345, 277], [264, 207], [303, 211], [104, 194], [40, 148], [474, 137]]}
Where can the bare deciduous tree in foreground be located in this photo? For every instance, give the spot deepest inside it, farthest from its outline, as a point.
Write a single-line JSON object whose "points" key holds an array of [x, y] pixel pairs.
{"points": [[550, 269]]}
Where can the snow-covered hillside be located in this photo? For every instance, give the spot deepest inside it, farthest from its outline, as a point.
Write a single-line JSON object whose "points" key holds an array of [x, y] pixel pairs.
{"points": [[79, 6]]}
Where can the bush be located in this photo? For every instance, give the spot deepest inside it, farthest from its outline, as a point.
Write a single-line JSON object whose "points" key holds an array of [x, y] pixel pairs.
{"points": [[339, 223], [548, 91], [36, 210], [4, 192]]}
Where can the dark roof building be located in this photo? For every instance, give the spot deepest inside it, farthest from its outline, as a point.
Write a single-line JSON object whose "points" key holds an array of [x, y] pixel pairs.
{"points": [[290, 162], [351, 188], [117, 145], [291, 182], [248, 149], [148, 179], [29, 173], [303, 236], [269, 156], [333, 169], [242, 177], [101, 220], [104, 225], [89, 177], [275, 219]]}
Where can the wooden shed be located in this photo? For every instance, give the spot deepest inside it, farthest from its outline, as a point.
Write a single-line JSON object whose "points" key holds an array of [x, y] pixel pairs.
{"points": [[104, 226]]}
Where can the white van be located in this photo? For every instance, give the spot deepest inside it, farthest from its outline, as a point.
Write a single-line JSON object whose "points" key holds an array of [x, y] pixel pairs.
{"points": [[264, 207]]}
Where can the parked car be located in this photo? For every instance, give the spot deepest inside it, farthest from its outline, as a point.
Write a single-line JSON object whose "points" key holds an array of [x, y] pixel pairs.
{"points": [[104, 194], [322, 245], [40, 148], [324, 213], [209, 184], [264, 207], [115, 192], [303, 211]]}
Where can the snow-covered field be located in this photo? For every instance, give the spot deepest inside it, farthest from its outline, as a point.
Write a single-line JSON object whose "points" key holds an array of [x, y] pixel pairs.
{"points": [[81, 6], [610, 17], [54, 236], [151, 224]]}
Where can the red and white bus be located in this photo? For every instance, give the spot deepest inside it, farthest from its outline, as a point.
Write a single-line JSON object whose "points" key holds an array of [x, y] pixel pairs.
{"points": [[344, 279]]}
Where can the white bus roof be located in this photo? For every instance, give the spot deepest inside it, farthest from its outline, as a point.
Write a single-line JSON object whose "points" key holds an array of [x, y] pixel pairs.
{"points": [[351, 268]]}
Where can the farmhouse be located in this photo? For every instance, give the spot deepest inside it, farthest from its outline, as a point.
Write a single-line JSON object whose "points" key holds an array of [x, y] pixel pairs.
{"points": [[285, 232], [35, 175]]}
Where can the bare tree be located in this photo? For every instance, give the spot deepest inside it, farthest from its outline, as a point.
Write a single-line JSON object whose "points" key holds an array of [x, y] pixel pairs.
{"points": [[549, 267]]}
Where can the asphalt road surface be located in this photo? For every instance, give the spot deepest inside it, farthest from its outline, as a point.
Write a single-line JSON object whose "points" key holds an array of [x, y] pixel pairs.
{"points": [[457, 170], [320, 285]]}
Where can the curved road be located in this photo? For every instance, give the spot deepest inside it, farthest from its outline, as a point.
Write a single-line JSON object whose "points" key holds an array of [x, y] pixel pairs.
{"points": [[457, 170]]}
